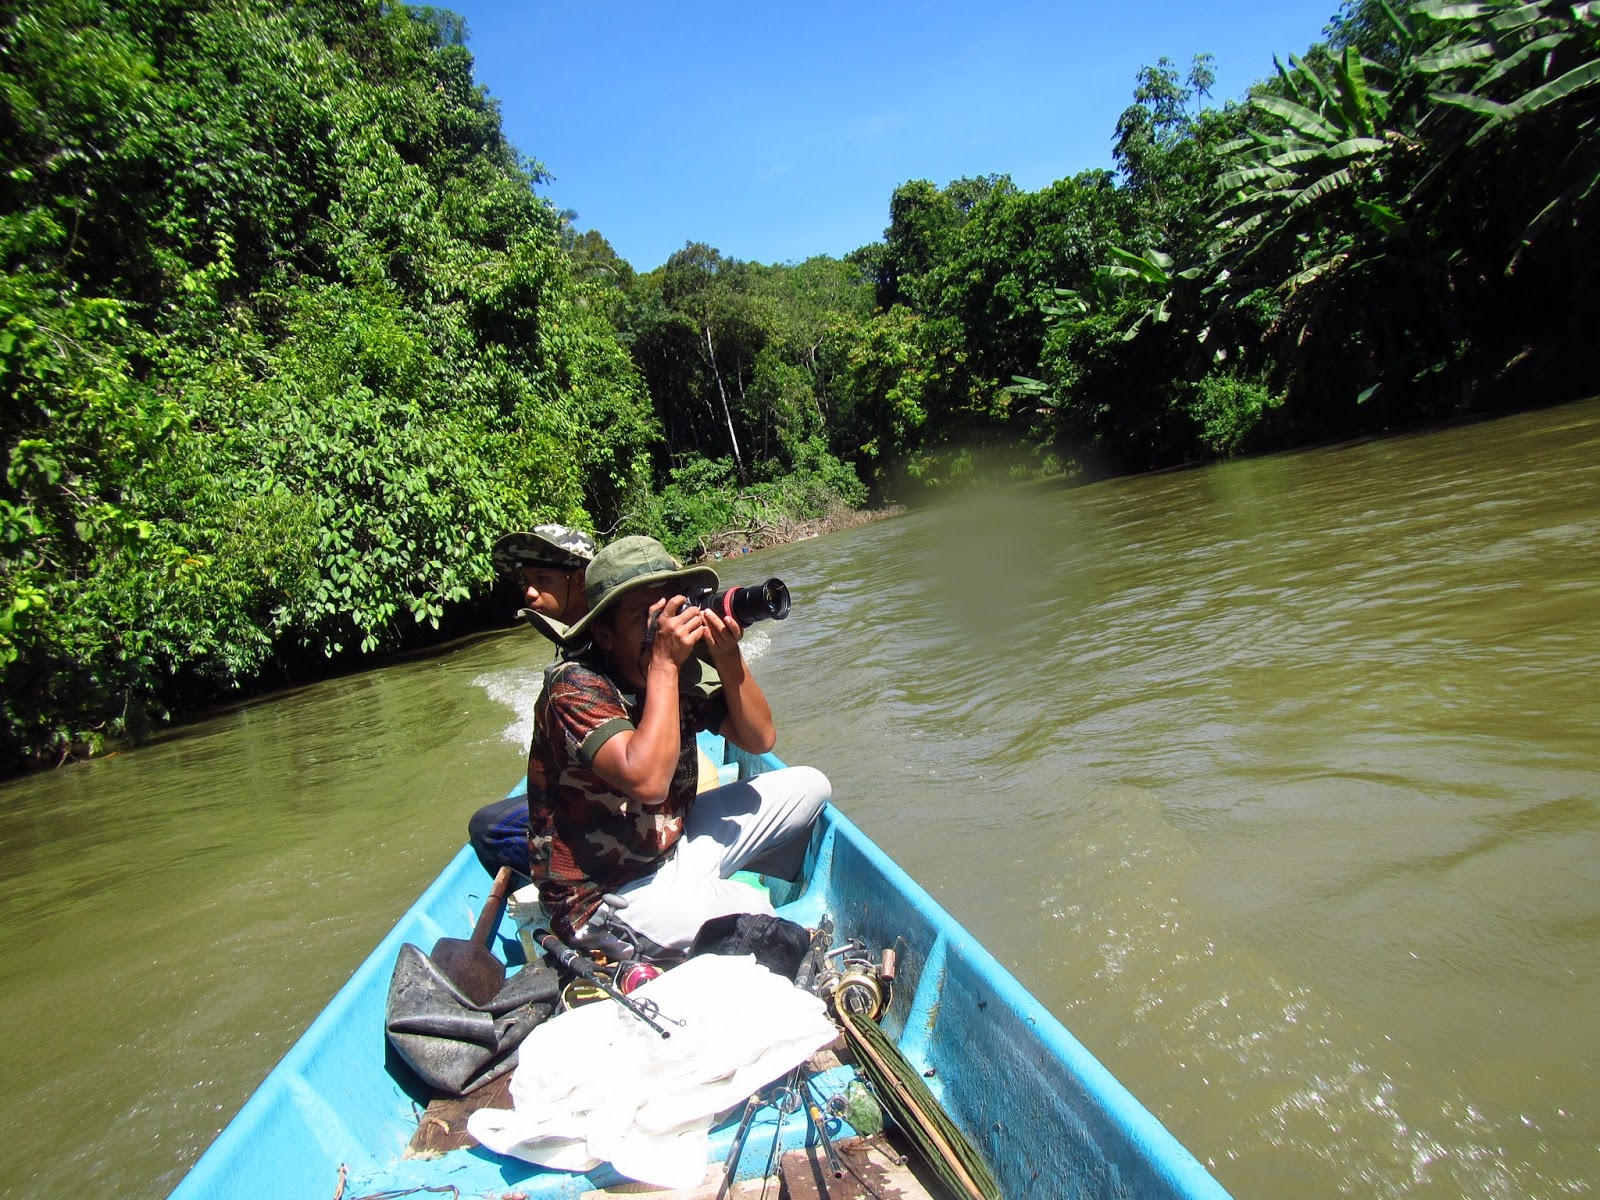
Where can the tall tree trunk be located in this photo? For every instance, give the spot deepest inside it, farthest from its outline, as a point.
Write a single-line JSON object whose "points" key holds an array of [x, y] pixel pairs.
{"points": [[819, 385], [763, 427], [722, 391]]}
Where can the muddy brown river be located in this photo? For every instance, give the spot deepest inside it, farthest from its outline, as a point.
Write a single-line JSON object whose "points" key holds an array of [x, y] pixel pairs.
{"points": [[1277, 780]]}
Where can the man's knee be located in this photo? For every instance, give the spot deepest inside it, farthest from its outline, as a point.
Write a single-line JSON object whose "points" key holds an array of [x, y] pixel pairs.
{"points": [[816, 787], [804, 791], [482, 821], [498, 833]]}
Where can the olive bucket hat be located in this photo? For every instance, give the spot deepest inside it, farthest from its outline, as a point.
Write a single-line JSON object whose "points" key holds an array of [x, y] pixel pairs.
{"points": [[555, 546], [629, 563]]}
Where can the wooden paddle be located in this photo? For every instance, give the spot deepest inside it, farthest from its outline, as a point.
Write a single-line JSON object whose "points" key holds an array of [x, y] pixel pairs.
{"points": [[468, 962]]}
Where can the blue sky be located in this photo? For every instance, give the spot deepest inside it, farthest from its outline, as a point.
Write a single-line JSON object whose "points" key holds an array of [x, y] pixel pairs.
{"points": [[775, 131]]}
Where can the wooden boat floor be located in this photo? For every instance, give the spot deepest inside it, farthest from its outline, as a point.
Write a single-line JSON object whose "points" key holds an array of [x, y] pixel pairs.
{"points": [[873, 1171], [876, 1167], [443, 1124]]}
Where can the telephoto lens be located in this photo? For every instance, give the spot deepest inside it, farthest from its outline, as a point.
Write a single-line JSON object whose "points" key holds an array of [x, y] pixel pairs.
{"points": [[746, 605]]}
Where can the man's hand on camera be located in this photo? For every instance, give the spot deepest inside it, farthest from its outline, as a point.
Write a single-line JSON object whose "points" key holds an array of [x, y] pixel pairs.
{"points": [[721, 639], [678, 629]]}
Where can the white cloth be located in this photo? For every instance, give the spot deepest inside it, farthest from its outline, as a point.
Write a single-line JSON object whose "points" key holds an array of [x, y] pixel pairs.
{"points": [[726, 828], [528, 914], [596, 1084]]}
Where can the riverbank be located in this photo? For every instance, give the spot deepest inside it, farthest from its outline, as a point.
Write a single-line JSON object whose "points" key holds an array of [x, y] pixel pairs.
{"points": [[761, 536]]}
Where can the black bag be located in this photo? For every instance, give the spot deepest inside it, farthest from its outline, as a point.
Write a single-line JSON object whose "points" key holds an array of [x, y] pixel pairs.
{"points": [[451, 1043], [778, 944]]}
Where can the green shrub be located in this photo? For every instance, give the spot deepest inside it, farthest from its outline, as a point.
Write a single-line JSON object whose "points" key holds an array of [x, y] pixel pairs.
{"points": [[1229, 409]]}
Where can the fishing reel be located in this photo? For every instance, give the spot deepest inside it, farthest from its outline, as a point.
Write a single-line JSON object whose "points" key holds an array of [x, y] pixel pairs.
{"points": [[851, 982], [628, 977]]}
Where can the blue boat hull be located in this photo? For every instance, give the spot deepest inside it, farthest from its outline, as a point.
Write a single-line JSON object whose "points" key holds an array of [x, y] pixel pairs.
{"points": [[1047, 1117]]}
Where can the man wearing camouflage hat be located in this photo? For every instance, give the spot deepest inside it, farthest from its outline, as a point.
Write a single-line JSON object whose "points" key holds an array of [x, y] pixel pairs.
{"points": [[548, 563]]}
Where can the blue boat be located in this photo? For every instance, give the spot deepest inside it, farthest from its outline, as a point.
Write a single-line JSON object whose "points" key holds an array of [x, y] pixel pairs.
{"points": [[1048, 1119]]}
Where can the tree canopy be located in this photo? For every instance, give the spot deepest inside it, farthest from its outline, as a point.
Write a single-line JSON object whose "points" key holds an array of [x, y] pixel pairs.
{"points": [[287, 337]]}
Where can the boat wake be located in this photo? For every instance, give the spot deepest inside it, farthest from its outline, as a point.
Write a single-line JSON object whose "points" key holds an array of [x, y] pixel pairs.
{"points": [[518, 689], [1246, 1059]]}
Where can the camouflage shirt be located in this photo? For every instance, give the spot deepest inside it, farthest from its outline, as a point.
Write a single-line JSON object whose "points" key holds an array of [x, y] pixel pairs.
{"points": [[584, 837]]}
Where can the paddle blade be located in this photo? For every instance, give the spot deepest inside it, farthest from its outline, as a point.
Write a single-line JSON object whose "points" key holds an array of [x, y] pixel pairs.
{"points": [[467, 962], [476, 973]]}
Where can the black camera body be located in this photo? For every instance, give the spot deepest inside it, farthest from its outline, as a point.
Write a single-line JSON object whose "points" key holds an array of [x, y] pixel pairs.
{"points": [[746, 605]]}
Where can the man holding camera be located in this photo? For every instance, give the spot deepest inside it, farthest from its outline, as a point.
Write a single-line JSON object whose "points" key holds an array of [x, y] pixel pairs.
{"points": [[625, 854]]}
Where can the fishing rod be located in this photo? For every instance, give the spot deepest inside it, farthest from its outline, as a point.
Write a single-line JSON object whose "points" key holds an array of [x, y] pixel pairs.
{"points": [[572, 961], [732, 1164], [785, 1100], [819, 1122], [816, 956]]}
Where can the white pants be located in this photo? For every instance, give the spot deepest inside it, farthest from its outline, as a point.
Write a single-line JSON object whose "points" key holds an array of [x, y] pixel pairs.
{"points": [[726, 828]]}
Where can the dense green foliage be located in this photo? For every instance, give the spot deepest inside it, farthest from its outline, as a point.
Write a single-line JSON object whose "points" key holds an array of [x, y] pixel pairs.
{"points": [[1402, 226], [286, 338], [287, 335]]}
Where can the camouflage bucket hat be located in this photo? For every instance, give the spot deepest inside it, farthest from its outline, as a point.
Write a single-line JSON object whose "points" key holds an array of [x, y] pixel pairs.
{"points": [[542, 546], [629, 563]]}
